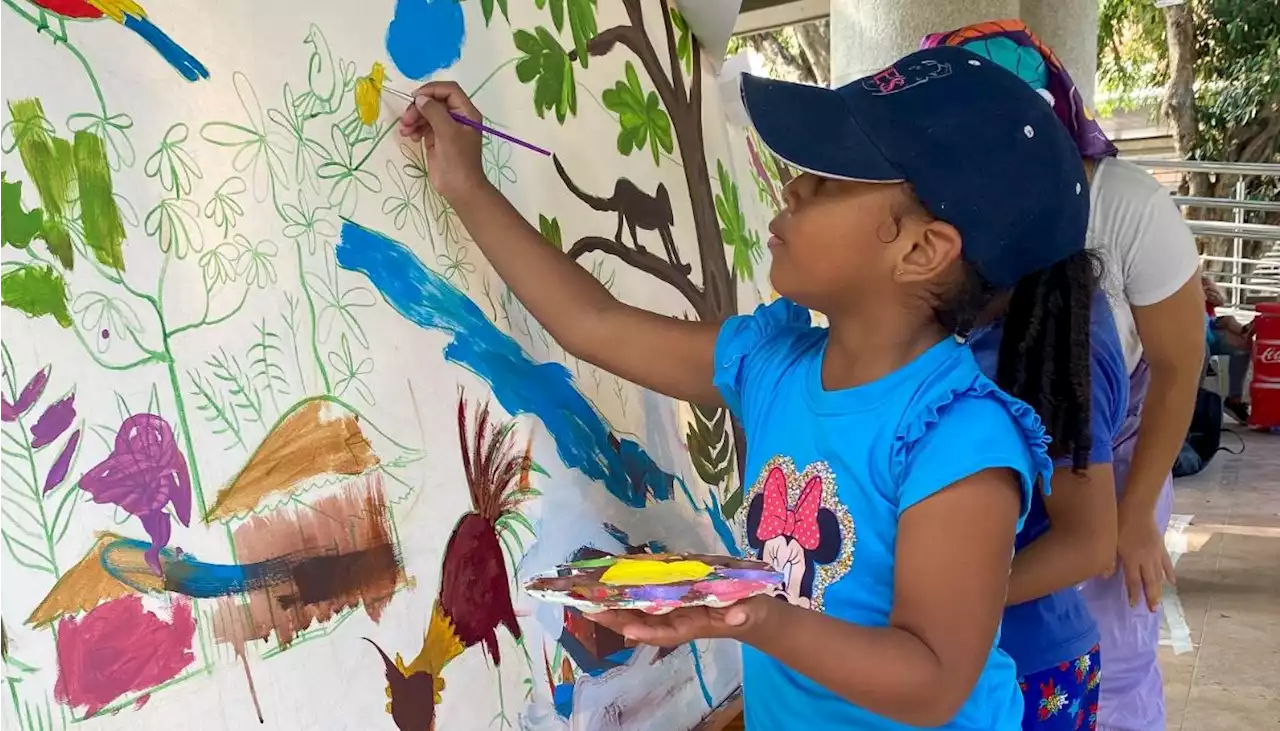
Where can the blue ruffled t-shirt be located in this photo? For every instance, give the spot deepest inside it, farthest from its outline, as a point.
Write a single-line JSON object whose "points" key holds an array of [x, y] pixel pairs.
{"points": [[831, 473], [1058, 628]]}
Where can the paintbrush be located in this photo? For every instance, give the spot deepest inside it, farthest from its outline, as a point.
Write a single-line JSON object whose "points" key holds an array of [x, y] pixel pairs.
{"points": [[474, 124]]}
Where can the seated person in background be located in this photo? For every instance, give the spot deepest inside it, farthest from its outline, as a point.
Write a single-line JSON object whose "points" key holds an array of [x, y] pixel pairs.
{"points": [[1230, 338]]}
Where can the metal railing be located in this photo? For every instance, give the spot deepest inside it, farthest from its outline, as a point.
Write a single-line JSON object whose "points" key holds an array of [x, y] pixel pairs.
{"points": [[1245, 278]]}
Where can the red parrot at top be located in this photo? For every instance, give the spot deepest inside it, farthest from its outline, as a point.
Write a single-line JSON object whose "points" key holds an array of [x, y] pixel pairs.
{"points": [[131, 15]]}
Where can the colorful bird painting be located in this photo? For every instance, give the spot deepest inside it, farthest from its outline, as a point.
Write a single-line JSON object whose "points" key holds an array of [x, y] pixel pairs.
{"points": [[131, 15]]}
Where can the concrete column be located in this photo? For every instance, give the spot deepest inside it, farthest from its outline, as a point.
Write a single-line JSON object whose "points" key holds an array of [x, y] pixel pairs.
{"points": [[1070, 28], [867, 35]]}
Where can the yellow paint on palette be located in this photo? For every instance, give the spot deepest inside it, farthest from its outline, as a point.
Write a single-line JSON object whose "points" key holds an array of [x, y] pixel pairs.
{"points": [[369, 94], [630, 572]]}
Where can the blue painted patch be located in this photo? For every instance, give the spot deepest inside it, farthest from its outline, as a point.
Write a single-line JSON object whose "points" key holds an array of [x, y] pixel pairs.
{"points": [[185, 574], [562, 697], [425, 36], [523, 386]]}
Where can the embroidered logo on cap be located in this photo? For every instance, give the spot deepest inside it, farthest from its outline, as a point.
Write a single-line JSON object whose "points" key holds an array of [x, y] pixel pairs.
{"points": [[892, 81]]}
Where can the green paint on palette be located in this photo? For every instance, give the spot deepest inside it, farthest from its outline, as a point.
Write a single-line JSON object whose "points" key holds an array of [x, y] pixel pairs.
{"points": [[18, 226], [103, 228], [592, 563], [48, 161], [37, 291]]}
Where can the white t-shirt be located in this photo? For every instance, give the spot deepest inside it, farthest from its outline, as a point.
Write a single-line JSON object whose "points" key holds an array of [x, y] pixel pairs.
{"points": [[1146, 247]]}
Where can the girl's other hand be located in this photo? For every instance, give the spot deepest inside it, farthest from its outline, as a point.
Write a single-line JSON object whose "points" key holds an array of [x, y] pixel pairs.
{"points": [[452, 148], [680, 626]]}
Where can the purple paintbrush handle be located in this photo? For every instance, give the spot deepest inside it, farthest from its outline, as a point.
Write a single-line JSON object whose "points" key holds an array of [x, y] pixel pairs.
{"points": [[485, 128]]}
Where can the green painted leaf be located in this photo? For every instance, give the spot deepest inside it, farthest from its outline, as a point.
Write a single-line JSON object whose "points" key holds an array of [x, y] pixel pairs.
{"points": [[557, 13], [710, 444], [732, 504], [19, 226], [99, 214], [37, 291], [550, 229], [582, 24], [737, 235], [684, 40], [641, 118], [546, 65], [49, 163]]}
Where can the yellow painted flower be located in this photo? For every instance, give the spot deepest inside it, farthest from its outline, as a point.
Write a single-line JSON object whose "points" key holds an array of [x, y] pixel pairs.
{"points": [[369, 94]]}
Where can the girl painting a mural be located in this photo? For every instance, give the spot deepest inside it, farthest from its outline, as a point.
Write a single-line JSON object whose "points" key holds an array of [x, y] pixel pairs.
{"points": [[890, 475], [1155, 298]]}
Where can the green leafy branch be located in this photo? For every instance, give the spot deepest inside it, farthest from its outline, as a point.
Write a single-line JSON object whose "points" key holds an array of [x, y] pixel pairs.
{"points": [[734, 231], [264, 372]]}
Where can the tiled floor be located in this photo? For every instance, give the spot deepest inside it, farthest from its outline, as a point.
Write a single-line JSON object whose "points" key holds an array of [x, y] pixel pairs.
{"points": [[1222, 668], [1222, 655]]}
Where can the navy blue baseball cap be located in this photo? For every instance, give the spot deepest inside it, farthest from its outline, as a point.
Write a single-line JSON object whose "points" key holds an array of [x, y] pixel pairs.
{"points": [[979, 147]]}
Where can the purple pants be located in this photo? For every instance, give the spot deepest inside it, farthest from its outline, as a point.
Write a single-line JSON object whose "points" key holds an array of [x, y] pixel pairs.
{"points": [[1132, 697]]}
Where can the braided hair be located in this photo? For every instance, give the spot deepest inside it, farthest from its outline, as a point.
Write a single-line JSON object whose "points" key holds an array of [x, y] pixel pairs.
{"points": [[1044, 352]]}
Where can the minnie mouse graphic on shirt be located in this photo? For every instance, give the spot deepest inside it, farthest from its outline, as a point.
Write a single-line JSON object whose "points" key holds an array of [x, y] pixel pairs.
{"points": [[796, 524]]}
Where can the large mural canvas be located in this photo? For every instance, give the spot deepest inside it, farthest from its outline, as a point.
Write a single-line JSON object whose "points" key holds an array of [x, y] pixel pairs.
{"points": [[278, 445]]}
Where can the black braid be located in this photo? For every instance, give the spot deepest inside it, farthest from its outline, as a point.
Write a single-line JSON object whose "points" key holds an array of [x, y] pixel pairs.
{"points": [[1044, 353]]}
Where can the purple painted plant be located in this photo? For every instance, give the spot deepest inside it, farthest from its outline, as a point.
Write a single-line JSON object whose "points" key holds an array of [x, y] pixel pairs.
{"points": [[144, 473], [38, 512], [30, 394], [55, 420], [58, 472]]}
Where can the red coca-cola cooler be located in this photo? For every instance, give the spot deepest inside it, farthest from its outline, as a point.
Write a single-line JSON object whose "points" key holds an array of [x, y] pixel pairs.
{"points": [[1264, 390]]}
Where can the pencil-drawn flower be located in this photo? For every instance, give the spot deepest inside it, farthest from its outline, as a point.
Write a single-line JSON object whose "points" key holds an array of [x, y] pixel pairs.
{"points": [[172, 164], [223, 208], [217, 266], [403, 208], [175, 227], [254, 261], [17, 130], [144, 473], [113, 130], [350, 374], [456, 267], [303, 222], [255, 150], [346, 172], [308, 153], [443, 218], [496, 158], [106, 319], [339, 304]]}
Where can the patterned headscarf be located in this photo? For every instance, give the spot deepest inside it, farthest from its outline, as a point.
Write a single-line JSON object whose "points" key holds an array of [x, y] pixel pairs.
{"points": [[1010, 44]]}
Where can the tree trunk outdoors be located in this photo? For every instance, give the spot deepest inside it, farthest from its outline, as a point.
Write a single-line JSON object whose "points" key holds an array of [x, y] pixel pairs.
{"points": [[815, 41], [796, 53], [1180, 109], [1180, 94]]}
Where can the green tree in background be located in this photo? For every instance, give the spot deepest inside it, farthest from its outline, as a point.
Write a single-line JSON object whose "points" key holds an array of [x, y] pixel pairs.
{"points": [[1218, 62]]}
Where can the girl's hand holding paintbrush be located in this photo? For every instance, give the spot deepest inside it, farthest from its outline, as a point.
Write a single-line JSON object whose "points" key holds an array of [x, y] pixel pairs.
{"points": [[452, 148]]}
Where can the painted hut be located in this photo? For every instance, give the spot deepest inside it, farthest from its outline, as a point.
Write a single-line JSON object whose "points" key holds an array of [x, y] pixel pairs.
{"points": [[113, 648], [309, 502]]}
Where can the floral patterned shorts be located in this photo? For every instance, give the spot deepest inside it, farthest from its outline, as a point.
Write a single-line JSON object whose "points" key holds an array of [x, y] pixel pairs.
{"points": [[1063, 698]]}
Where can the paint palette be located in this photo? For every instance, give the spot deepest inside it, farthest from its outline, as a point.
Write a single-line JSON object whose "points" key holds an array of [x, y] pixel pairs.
{"points": [[653, 583]]}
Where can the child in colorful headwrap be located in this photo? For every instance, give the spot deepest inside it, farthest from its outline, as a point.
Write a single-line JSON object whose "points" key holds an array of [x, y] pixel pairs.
{"points": [[1153, 287]]}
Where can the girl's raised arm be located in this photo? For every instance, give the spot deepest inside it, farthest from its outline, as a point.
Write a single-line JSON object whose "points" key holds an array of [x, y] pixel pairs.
{"points": [[671, 356]]}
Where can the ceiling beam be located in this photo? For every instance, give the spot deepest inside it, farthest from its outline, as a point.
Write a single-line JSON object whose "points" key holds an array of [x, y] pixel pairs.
{"points": [[762, 15]]}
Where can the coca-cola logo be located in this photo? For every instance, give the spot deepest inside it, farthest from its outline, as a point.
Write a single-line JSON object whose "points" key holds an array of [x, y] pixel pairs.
{"points": [[1270, 356]]}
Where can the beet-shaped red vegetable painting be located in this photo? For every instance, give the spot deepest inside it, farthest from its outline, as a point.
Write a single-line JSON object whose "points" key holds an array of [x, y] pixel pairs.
{"points": [[475, 588]]}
